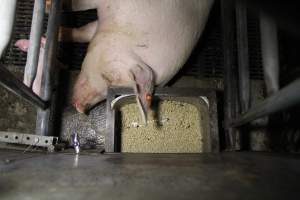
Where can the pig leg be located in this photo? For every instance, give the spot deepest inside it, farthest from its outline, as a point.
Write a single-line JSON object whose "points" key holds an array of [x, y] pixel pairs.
{"points": [[75, 5], [83, 34], [78, 5], [23, 46]]}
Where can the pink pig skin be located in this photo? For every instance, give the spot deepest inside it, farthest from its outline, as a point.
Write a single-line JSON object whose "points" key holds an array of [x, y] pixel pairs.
{"points": [[23, 45], [137, 43]]}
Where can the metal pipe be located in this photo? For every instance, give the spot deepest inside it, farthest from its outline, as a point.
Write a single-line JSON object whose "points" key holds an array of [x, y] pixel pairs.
{"points": [[35, 42], [285, 98], [285, 13], [230, 74], [11, 83], [270, 55], [243, 56], [44, 117]]}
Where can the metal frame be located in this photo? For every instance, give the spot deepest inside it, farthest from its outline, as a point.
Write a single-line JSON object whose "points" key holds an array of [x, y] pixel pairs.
{"points": [[232, 135], [44, 123], [243, 56], [279, 100], [45, 103], [270, 52], [212, 138], [28, 139]]}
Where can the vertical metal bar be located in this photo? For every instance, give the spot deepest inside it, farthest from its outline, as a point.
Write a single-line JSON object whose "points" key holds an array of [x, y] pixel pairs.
{"points": [[110, 143], [270, 56], [11, 83], [44, 117], [243, 56], [230, 74], [285, 98], [35, 41]]}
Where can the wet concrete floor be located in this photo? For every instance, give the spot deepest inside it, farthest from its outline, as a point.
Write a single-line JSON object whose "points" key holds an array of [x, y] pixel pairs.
{"points": [[148, 176]]}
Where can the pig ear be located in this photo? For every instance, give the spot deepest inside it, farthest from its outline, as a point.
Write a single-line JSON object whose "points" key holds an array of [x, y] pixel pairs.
{"points": [[143, 78], [22, 44]]}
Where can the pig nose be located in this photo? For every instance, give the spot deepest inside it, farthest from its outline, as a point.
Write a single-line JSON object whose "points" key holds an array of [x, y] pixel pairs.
{"points": [[79, 107]]}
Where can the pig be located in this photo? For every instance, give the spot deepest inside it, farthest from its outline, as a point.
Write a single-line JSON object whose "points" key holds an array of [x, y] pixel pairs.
{"points": [[135, 43], [7, 18], [23, 45]]}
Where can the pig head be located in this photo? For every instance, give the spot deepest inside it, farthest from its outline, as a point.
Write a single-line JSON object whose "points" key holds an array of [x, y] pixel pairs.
{"points": [[104, 67], [138, 44]]}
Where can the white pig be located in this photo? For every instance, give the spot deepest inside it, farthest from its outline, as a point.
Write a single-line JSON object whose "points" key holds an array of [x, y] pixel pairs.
{"points": [[7, 17], [137, 43]]}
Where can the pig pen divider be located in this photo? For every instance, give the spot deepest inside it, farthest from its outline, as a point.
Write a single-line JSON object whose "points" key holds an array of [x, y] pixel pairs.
{"points": [[46, 101], [45, 118]]}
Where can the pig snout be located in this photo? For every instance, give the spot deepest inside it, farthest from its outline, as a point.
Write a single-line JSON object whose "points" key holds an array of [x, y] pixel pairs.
{"points": [[83, 101], [86, 95]]}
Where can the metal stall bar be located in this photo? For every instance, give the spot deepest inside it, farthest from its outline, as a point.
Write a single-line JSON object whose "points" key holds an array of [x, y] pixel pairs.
{"points": [[285, 13], [285, 98], [270, 55], [243, 56], [35, 41], [11, 83], [44, 117], [230, 75]]}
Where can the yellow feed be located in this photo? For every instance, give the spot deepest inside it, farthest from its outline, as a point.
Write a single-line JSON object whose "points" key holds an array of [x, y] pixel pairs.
{"points": [[175, 129]]}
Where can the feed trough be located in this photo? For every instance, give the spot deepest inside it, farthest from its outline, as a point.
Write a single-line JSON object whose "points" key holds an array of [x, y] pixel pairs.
{"points": [[188, 115]]}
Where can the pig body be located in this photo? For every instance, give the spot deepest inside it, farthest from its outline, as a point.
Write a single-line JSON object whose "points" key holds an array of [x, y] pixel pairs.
{"points": [[138, 43], [7, 17], [161, 33]]}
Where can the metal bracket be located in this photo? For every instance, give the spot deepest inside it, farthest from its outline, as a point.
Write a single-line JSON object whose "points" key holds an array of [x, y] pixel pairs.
{"points": [[29, 139]]}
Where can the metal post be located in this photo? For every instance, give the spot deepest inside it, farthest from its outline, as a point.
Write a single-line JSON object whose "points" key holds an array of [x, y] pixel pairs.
{"points": [[285, 13], [44, 117], [230, 75], [35, 41], [270, 57], [243, 56], [283, 99], [11, 83]]}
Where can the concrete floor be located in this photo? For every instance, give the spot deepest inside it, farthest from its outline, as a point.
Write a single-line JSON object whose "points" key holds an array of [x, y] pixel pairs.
{"points": [[148, 176]]}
